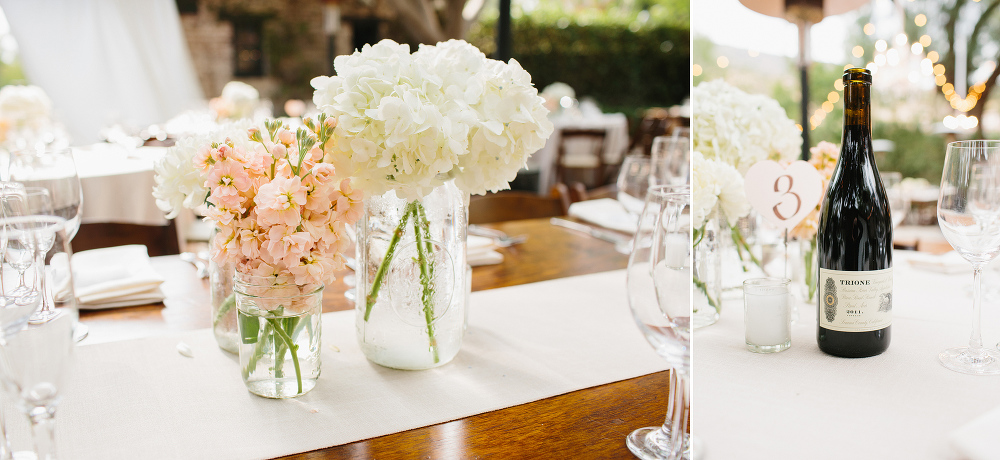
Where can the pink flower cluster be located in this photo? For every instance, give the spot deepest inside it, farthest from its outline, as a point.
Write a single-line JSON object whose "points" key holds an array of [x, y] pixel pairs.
{"points": [[280, 211]]}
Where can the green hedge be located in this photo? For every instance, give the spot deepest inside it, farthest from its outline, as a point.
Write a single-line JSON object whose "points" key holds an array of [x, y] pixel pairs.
{"points": [[623, 67]]}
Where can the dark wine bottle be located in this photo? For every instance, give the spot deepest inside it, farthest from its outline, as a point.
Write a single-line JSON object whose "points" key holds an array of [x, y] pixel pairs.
{"points": [[854, 239]]}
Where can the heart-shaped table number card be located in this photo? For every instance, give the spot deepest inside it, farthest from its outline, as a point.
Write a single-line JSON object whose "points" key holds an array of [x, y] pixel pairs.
{"points": [[783, 195]]}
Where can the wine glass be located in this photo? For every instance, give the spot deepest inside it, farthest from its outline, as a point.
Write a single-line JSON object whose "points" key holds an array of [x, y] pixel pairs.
{"points": [[633, 181], [899, 204], [671, 160], [35, 358], [54, 170], [969, 216], [659, 294]]}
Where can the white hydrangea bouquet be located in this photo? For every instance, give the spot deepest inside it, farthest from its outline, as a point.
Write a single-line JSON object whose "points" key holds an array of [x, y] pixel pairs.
{"points": [[409, 123], [733, 130], [26, 118]]}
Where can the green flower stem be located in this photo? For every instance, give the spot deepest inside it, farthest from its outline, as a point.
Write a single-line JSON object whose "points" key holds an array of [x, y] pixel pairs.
{"points": [[227, 305], [273, 322], [258, 350], [384, 266], [742, 245], [811, 278], [704, 289], [420, 220]]}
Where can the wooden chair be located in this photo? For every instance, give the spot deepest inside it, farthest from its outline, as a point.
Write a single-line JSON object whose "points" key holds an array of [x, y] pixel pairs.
{"points": [[159, 240], [515, 205], [579, 192], [581, 161]]}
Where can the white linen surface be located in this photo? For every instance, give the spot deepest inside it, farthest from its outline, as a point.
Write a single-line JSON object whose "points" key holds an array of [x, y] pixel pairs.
{"points": [[524, 343], [115, 277], [979, 439], [606, 212], [802, 403]]}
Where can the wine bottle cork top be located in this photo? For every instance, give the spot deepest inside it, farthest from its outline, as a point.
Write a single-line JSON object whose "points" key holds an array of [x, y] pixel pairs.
{"points": [[857, 75]]}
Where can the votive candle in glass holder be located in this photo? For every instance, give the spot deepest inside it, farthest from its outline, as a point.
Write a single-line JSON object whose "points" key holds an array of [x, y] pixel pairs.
{"points": [[767, 314]]}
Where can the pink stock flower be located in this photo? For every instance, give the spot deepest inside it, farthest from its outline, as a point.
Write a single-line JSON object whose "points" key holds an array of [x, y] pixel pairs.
{"points": [[223, 247], [286, 137], [279, 201], [287, 245], [227, 178], [202, 158], [278, 217]]}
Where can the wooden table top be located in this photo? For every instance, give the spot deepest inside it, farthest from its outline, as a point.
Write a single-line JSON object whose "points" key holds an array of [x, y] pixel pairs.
{"points": [[589, 423]]}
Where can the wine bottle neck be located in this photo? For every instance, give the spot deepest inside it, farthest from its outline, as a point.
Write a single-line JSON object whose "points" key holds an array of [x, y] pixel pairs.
{"points": [[857, 104]]}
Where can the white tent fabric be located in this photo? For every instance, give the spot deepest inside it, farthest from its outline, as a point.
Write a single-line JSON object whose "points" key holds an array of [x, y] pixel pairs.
{"points": [[105, 61]]}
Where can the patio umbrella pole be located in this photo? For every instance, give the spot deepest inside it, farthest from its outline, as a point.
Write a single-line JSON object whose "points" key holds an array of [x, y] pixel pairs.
{"points": [[804, 80]]}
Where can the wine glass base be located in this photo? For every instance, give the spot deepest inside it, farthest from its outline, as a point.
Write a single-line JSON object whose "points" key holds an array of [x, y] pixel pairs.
{"points": [[43, 316], [651, 443], [961, 359], [24, 455]]}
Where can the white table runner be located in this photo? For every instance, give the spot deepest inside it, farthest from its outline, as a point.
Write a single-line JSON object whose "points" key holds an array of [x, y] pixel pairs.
{"points": [[142, 399], [802, 403]]}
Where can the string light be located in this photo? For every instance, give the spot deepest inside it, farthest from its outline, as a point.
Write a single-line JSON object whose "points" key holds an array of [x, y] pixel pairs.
{"points": [[928, 66], [696, 70], [722, 62]]}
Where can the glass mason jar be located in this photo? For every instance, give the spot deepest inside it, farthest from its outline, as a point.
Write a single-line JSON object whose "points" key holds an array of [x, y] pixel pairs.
{"points": [[220, 278], [413, 282], [707, 277], [279, 335]]}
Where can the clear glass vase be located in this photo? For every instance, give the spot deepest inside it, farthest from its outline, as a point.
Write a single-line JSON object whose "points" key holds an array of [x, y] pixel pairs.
{"points": [[804, 272], [413, 281], [707, 277], [280, 326], [220, 278]]}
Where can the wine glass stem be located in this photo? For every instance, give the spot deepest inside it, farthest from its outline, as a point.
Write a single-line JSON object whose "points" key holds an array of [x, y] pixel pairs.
{"points": [[678, 414], [976, 341], [43, 432]]}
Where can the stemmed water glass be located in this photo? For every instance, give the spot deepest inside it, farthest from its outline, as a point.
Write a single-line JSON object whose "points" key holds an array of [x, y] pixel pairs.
{"points": [[35, 357], [671, 159], [899, 204], [969, 216], [659, 293], [54, 170]]}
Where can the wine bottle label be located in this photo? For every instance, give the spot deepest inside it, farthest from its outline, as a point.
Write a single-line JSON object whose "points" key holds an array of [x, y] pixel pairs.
{"points": [[855, 301]]}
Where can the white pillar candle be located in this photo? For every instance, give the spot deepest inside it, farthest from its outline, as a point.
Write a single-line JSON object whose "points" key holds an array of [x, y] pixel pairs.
{"points": [[767, 314], [767, 319]]}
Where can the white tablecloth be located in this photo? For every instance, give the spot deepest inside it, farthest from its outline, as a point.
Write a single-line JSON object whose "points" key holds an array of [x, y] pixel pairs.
{"points": [[615, 142], [142, 399], [804, 404], [118, 184]]}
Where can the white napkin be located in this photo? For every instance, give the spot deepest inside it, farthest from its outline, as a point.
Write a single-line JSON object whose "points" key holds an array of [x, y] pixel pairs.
{"points": [[949, 262], [115, 277], [606, 212], [480, 251], [978, 440]]}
